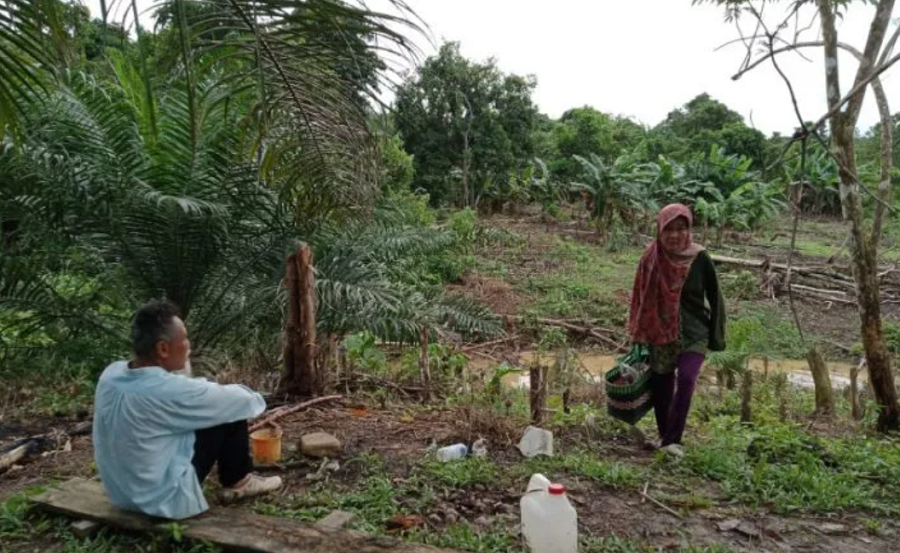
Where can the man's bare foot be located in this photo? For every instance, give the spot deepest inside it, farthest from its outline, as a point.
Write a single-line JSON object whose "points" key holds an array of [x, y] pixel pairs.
{"points": [[251, 486]]}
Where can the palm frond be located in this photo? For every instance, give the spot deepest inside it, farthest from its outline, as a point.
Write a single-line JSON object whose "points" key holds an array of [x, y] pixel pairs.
{"points": [[308, 124], [466, 316], [23, 62]]}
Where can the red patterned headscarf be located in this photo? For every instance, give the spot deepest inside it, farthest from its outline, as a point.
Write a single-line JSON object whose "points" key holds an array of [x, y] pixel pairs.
{"points": [[656, 297]]}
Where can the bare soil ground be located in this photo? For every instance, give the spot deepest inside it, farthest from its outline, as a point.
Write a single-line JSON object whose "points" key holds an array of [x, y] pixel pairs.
{"points": [[400, 436]]}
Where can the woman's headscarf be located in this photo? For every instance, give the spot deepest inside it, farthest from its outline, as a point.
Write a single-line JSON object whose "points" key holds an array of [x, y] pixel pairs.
{"points": [[656, 297]]}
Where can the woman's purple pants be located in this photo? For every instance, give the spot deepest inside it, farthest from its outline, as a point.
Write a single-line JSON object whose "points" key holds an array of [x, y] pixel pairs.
{"points": [[672, 394]]}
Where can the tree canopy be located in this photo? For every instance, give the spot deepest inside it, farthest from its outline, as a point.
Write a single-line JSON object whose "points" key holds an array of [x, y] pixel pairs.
{"points": [[468, 126]]}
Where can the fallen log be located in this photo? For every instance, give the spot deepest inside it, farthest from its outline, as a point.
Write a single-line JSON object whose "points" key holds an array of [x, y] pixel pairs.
{"points": [[12, 457], [780, 267], [830, 284], [590, 332], [283, 411]]}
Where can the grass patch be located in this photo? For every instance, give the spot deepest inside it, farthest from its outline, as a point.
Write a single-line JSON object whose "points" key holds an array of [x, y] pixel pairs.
{"points": [[586, 465], [781, 467], [465, 537], [584, 283], [463, 473], [764, 331]]}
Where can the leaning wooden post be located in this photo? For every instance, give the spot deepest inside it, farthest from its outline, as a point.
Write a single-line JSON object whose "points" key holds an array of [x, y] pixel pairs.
{"points": [[300, 373], [746, 395], [781, 394], [424, 369], [822, 383], [537, 376]]}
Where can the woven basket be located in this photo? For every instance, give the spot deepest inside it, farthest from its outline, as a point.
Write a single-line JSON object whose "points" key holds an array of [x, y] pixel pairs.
{"points": [[630, 402]]}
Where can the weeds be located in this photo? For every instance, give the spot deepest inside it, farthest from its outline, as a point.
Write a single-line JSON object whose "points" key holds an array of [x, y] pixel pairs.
{"points": [[777, 466], [464, 536], [460, 474], [613, 474]]}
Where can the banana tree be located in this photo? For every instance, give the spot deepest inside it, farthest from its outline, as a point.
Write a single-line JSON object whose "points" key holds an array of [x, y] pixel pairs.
{"points": [[617, 189], [544, 188]]}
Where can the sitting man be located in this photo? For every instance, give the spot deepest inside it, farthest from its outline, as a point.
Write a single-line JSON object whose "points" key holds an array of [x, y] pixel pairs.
{"points": [[158, 434]]}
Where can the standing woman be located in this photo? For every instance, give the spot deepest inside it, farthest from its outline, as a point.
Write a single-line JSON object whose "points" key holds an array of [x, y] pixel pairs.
{"points": [[677, 308]]}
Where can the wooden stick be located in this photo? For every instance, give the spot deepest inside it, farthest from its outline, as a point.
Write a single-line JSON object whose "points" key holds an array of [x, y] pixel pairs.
{"points": [[282, 411], [538, 396], [644, 493], [473, 347], [424, 370], [483, 354], [591, 332], [662, 505]]}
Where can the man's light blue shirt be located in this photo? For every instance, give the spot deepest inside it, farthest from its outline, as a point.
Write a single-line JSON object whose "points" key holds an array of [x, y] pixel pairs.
{"points": [[144, 424]]}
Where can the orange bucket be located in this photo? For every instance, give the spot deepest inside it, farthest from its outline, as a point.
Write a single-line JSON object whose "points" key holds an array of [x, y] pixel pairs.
{"points": [[266, 446]]}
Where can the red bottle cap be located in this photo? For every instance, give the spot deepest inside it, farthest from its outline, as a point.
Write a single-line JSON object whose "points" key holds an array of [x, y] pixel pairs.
{"points": [[557, 489]]}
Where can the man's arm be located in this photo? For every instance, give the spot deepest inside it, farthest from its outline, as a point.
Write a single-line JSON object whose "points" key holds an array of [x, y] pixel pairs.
{"points": [[186, 404]]}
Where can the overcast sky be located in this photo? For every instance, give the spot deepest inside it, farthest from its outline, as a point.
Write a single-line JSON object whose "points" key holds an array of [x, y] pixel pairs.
{"points": [[640, 58]]}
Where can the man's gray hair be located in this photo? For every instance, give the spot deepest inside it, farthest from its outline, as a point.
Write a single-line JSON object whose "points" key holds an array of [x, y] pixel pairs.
{"points": [[151, 324]]}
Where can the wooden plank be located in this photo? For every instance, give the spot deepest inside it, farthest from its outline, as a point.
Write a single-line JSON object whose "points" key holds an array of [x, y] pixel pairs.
{"points": [[231, 529]]}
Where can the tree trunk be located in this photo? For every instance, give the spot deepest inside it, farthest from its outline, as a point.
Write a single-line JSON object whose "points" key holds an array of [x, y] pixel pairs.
{"points": [[822, 381], [863, 249], [781, 394], [424, 369], [300, 372], [730, 381], [538, 377]]}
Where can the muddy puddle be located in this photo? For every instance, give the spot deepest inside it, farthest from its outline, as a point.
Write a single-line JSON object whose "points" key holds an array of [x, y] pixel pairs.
{"points": [[596, 365]]}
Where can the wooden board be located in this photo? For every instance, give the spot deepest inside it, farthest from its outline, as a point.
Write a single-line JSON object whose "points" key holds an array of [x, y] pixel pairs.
{"points": [[232, 529]]}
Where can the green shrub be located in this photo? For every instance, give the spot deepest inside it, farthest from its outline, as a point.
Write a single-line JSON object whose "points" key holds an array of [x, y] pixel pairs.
{"points": [[740, 286]]}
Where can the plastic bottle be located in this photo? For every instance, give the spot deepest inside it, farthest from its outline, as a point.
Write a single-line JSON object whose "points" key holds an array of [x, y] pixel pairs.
{"points": [[452, 452], [549, 522]]}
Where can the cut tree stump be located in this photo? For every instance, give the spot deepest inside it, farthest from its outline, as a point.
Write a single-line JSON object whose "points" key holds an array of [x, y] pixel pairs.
{"points": [[230, 529], [301, 376]]}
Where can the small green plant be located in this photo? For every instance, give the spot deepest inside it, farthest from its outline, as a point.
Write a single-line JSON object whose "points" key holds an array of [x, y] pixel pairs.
{"points": [[176, 531], [363, 353], [445, 366], [740, 286], [464, 224], [892, 337], [873, 526], [462, 473]]}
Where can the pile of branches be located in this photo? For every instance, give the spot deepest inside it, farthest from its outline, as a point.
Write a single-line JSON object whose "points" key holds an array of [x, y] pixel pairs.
{"points": [[826, 283], [27, 449]]}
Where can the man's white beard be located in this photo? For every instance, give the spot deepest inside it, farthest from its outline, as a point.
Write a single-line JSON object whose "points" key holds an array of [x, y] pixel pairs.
{"points": [[186, 371]]}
